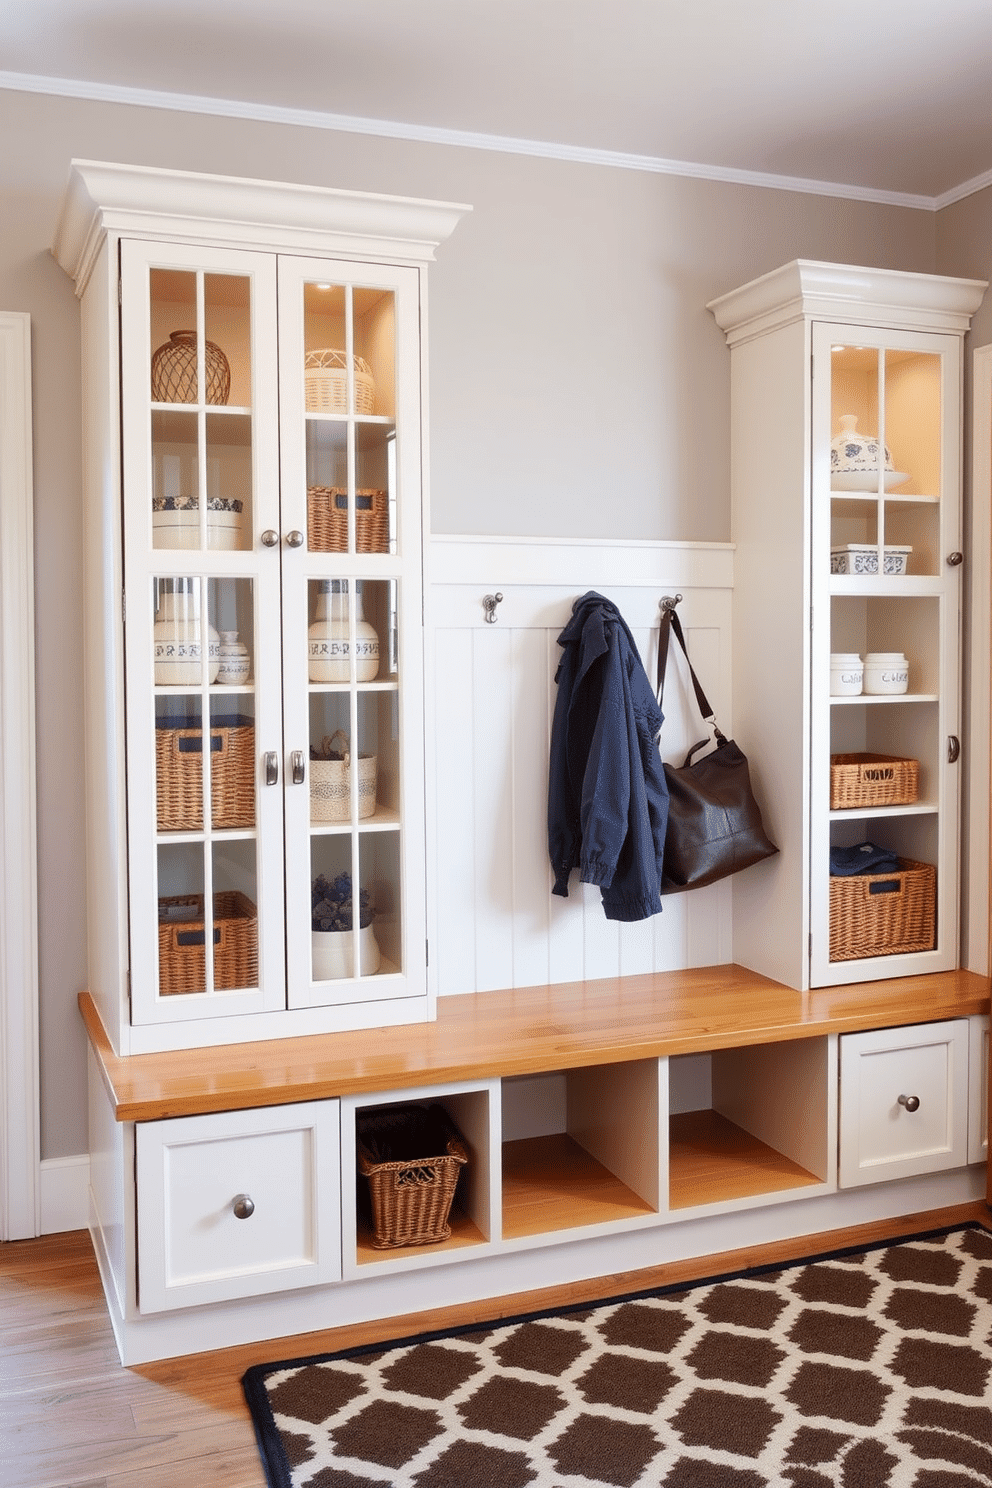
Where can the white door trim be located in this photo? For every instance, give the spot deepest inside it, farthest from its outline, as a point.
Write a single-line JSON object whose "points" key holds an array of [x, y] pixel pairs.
{"points": [[19, 1073], [978, 701]]}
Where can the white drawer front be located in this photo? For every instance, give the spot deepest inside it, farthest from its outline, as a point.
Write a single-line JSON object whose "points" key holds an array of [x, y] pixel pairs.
{"points": [[280, 1163], [883, 1075], [978, 1089]]}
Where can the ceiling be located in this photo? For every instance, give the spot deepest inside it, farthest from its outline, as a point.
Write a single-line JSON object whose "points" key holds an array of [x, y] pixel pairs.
{"points": [[881, 97]]}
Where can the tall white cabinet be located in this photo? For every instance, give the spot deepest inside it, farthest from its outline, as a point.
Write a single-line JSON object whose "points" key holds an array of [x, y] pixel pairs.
{"points": [[255, 406], [863, 561]]}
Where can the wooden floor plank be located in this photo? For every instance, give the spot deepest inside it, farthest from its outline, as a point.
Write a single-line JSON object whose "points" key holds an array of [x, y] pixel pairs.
{"points": [[79, 1420]]}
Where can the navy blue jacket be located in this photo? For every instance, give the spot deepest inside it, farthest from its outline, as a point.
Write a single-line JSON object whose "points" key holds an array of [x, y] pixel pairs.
{"points": [[607, 794]]}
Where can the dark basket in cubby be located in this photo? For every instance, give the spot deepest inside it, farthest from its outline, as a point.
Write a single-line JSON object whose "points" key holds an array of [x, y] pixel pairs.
{"points": [[412, 1157]]}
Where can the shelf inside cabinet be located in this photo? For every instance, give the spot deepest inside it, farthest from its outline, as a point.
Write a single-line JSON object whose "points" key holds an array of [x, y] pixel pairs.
{"points": [[552, 1183], [712, 1160], [883, 700], [909, 808]]}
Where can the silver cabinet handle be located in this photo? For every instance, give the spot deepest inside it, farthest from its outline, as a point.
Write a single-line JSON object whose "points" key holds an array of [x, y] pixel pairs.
{"points": [[271, 767], [298, 766], [955, 558], [911, 1102], [295, 539], [270, 537], [243, 1206], [953, 748]]}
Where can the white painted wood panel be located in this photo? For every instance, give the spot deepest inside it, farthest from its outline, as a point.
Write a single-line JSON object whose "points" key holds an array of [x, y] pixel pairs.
{"points": [[494, 921]]}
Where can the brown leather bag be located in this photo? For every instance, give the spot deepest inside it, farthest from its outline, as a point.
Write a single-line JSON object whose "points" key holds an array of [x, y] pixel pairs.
{"points": [[714, 822]]}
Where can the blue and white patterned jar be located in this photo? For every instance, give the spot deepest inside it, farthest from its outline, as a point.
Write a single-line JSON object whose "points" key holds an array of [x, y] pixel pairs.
{"points": [[851, 451]]}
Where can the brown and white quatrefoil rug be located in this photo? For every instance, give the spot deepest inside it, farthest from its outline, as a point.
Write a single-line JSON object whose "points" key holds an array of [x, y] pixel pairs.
{"points": [[866, 1369]]}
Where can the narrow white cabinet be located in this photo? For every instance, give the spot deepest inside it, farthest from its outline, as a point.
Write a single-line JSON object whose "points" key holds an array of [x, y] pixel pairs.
{"points": [[237, 1204], [903, 1101], [846, 492], [255, 400]]}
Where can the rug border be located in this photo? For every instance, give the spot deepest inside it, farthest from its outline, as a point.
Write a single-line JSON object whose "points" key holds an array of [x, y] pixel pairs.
{"points": [[267, 1434]]}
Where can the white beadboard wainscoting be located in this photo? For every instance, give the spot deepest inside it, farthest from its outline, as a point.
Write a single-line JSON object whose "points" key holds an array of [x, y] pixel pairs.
{"points": [[494, 921]]}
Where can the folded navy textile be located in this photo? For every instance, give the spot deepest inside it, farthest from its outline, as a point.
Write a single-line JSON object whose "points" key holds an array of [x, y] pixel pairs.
{"points": [[864, 857]]}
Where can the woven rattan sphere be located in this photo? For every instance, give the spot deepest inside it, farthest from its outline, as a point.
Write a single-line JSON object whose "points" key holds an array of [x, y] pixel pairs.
{"points": [[174, 371]]}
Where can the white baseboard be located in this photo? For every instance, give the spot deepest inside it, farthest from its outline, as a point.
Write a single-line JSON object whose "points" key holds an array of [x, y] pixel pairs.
{"points": [[65, 1186]]}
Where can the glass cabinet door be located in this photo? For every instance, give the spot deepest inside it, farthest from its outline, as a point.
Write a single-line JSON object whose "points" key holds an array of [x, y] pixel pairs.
{"points": [[352, 617], [202, 658], [886, 521]]}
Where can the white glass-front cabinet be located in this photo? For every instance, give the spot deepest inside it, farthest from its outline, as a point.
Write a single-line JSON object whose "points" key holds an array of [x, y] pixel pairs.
{"points": [[846, 474], [261, 690]]}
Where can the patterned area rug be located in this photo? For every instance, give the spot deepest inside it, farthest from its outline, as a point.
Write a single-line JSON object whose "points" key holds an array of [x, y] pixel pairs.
{"points": [[858, 1369]]}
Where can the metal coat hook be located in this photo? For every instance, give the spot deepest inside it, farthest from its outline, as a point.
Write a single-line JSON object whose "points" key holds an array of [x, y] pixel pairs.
{"points": [[669, 602], [489, 603]]}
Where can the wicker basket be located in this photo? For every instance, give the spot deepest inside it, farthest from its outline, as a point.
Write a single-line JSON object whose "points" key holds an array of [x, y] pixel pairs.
{"points": [[872, 780], [325, 377], [327, 520], [179, 774], [330, 781], [181, 956], [883, 914], [411, 1156]]}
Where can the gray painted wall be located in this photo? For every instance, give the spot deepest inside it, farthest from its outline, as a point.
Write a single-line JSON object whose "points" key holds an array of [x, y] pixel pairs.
{"points": [[578, 385]]}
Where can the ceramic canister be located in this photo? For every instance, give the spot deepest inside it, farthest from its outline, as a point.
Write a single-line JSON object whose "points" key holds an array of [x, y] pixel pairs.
{"points": [[176, 637], [886, 672], [329, 641], [846, 674]]}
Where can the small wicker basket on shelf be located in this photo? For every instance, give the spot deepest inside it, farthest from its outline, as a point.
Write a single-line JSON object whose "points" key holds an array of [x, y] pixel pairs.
{"points": [[883, 914], [859, 780], [327, 520], [179, 774], [411, 1157], [325, 378], [181, 954], [330, 781]]}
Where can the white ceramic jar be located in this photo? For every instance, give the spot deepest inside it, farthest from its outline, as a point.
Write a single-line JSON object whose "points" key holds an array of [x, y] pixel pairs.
{"points": [[846, 674], [886, 672], [176, 636], [329, 641], [235, 663]]}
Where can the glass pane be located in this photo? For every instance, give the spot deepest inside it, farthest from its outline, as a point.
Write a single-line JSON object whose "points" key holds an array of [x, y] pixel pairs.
{"points": [[183, 644], [343, 646], [181, 951], [227, 327], [235, 914], [375, 345], [855, 451], [327, 486], [179, 763], [173, 336], [229, 481], [378, 756], [378, 639], [175, 477], [325, 331], [379, 874], [375, 494], [332, 916]]}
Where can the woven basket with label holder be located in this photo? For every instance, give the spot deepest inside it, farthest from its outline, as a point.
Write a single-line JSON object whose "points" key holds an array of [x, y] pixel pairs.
{"points": [[181, 936], [883, 914], [179, 773], [327, 520]]}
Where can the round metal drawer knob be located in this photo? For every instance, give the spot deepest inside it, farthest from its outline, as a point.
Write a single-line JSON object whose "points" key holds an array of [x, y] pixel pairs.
{"points": [[911, 1102], [243, 1206], [270, 537], [295, 539]]}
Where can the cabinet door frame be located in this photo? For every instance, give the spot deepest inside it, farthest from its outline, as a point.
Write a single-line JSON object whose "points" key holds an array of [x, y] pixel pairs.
{"points": [[258, 564], [405, 567], [943, 589]]}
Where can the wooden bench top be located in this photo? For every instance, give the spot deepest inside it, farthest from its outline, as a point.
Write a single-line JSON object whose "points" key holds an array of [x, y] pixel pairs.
{"points": [[527, 1030]]}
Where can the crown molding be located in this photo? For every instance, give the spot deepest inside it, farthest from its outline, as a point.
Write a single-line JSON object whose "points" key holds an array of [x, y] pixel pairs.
{"points": [[102, 198], [467, 140], [848, 295]]}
